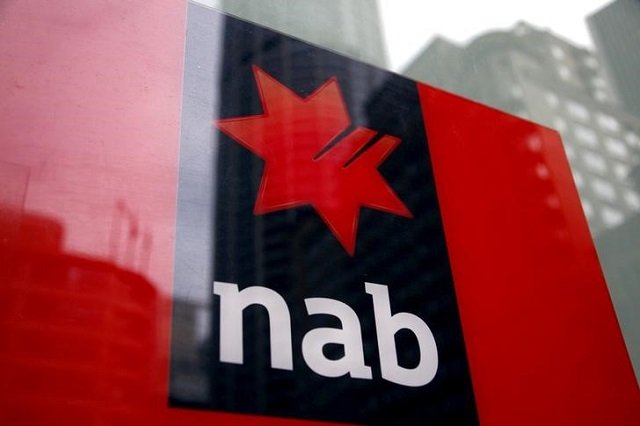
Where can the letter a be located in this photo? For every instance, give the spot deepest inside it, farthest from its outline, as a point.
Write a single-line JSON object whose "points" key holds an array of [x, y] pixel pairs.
{"points": [[349, 336], [387, 326]]}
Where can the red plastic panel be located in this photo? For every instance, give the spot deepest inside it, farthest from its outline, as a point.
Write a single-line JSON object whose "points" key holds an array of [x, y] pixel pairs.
{"points": [[541, 334]]}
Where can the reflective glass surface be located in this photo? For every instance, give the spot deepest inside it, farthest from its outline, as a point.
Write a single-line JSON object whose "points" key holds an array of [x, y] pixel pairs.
{"points": [[211, 211]]}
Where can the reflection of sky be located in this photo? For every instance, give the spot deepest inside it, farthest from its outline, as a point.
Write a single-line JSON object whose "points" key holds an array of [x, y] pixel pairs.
{"points": [[410, 24]]}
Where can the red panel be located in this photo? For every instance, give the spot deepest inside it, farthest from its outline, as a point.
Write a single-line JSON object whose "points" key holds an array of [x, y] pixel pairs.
{"points": [[542, 338]]}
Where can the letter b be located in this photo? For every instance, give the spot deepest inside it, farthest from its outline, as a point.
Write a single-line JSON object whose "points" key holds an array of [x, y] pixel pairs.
{"points": [[387, 326]]}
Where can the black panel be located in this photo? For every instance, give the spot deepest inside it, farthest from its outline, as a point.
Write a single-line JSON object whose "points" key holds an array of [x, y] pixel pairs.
{"points": [[294, 253]]}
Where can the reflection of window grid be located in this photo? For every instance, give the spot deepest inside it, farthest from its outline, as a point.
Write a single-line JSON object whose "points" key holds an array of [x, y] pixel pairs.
{"points": [[553, 201], [632, 138], [577, 110], [611, 216], [616, 147], [559, 124], [578, 179], [591, 62], [601, 95], [632, 199], [607, 122], [542, 171], [564, 71], [586, 135], [534, 143], [552, 99], [594, 162], [557, 52], [571, 153], [516, 91], [621, 170], [603, 189]]}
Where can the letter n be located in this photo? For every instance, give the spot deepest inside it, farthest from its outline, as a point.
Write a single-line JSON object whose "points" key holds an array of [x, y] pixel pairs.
{"points": [[233, 303]]}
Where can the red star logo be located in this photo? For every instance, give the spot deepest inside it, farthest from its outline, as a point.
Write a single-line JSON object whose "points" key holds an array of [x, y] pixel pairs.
{"points": [[305, 166]]}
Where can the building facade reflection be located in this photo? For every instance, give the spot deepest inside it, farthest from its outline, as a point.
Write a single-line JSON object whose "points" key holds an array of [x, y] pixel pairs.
{"points": [[536, 75], [76, 331], [589, 96]]}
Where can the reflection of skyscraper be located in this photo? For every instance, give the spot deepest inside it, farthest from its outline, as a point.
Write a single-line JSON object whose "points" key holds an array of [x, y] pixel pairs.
{"points": [[350, 27], [189, 375], [619, 256], [616, 33], [537, 75]]}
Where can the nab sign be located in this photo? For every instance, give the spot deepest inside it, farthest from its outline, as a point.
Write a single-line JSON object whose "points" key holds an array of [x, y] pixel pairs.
{"points": [[340, 258], [330, 294]]}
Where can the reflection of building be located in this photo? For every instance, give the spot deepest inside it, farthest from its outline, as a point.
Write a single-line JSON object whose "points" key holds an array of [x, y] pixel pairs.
{"points": [[189, 352], [537, 75], [619, 255], [75, 331], [350, 27], [615, 30]]}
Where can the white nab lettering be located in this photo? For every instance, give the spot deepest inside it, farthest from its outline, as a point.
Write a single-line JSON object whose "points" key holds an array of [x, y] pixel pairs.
{"points": [[349, 336]]}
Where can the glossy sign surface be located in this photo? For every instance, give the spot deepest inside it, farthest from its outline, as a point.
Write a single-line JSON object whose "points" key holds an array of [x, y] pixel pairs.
{"points": [[89, 163], [543, 342]]}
